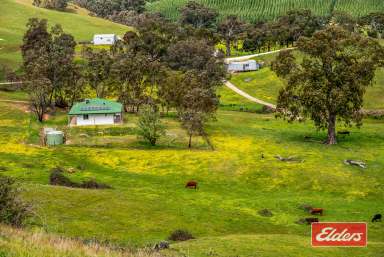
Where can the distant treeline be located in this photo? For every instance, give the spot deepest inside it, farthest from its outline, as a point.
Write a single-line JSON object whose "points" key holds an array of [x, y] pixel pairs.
{"points": [[104, 8], [51, 4]]}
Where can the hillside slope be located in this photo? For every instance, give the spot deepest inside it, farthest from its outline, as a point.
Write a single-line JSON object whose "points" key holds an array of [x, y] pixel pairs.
{"points": [[267, 9], [15, 15]]}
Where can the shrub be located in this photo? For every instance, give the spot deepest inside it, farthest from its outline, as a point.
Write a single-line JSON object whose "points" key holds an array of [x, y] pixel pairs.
{"points": [[265, 213], [51, 4], [180, 235], [57, 178], [13, 211], [92, 184]]}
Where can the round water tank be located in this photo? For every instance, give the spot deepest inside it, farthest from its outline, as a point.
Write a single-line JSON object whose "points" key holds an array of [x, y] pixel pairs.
{"points": [[55, 138]]}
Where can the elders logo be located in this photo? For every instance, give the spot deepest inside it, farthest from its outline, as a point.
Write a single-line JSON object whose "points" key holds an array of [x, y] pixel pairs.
{"points": [[339, 234]]}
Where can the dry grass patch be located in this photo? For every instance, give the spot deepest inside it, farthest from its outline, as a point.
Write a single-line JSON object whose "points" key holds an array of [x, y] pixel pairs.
{"points": [[16, 242]]}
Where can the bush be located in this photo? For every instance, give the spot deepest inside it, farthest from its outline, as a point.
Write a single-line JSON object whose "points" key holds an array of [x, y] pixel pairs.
{"points": [[13, 211], [265, 213], [51, 4], [180, 235], [57, 178], [92, 184]]}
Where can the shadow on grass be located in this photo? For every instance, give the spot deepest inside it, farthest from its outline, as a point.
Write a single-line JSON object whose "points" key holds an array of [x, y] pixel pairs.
{"points": [[143, 146]]}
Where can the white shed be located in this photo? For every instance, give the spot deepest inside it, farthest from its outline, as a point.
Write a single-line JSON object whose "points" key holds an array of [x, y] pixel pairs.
{"points": [[104, 39], [250, 65]]}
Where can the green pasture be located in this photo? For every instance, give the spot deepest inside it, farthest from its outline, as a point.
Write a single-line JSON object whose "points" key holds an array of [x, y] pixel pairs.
{"points": [[148, 199], [265, 85], [14, 17]]}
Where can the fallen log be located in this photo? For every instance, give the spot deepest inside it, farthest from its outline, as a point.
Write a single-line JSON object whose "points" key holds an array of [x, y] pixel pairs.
{"points": [[360, 164], [288, 159]]}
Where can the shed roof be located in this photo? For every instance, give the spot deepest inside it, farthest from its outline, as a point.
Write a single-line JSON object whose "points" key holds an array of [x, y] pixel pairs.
{"points": [[95, 106], [104, 35], [243, 62]]}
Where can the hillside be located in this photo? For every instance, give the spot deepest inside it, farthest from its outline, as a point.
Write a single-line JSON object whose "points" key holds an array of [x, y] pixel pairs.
{"points": [[148, 199], [15, 15], [265, 85], [268, 9], [254, 187]]}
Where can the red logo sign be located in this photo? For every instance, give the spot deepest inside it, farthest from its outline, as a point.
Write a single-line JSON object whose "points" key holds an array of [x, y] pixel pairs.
{"points": [[339, 234]]}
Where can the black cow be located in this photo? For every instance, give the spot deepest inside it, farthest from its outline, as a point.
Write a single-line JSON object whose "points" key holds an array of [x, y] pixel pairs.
{"points": [[377, 217]]}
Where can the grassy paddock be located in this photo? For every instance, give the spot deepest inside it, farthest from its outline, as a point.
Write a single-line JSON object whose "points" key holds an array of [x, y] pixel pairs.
{"points": [[148, 199], [265, 85]]}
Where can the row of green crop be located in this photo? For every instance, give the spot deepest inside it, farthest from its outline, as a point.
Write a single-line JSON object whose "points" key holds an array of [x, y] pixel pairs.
{"points": [[252, 10]]}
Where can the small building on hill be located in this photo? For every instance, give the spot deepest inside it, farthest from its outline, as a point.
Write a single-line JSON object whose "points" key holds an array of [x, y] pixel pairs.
{"points": [[96, 112], [104, 39], [250, 65]]}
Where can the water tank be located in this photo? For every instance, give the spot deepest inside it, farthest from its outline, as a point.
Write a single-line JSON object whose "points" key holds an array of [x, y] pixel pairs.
{"points": [[55, 138]]}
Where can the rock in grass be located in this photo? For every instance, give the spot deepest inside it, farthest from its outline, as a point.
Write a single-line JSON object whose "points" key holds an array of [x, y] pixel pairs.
{"points": [[161, 246], [265, 213], [58, 179], [248, 79], [288, 159], [71, 170]]}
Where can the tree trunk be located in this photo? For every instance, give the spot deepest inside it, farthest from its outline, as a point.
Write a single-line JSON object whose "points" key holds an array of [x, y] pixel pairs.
{"points": [[228, 47], [190, 141], [331, 130], [40, 115]]}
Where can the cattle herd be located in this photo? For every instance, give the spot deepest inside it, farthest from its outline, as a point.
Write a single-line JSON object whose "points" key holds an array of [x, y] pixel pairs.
{"points": [[313, 211]]}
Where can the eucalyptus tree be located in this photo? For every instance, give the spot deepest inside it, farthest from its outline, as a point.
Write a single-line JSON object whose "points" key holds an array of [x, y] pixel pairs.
{"points": [[328, 85], [230, 30], [198, 15], [196, 98], [98, 70]]}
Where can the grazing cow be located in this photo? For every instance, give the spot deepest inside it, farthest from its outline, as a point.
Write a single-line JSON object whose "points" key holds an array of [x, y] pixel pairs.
{"points": [[377, 217], [191, 184], [311, 220], [314, 211]]}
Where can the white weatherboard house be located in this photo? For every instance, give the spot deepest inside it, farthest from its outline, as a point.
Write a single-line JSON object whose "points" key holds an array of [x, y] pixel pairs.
{"points": [[104, 39], [250, 65], [96, 112]]}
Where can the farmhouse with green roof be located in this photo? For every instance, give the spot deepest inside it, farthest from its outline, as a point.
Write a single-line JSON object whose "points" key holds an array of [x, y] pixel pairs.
{"points": [[96, 112]]}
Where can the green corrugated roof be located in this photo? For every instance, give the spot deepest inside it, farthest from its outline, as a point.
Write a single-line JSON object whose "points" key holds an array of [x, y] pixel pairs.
{"points": [[95, 106]]}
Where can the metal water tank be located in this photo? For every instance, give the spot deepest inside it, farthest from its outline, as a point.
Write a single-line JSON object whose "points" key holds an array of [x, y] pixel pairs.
{"points": [[55, 138]]}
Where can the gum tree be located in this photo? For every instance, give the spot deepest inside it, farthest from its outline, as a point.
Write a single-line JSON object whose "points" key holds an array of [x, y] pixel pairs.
{"points": [[328, 85]]}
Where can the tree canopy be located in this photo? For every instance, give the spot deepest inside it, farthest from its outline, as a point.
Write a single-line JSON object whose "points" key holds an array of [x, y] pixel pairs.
{"points": [[330, 82], [198, 15]]}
